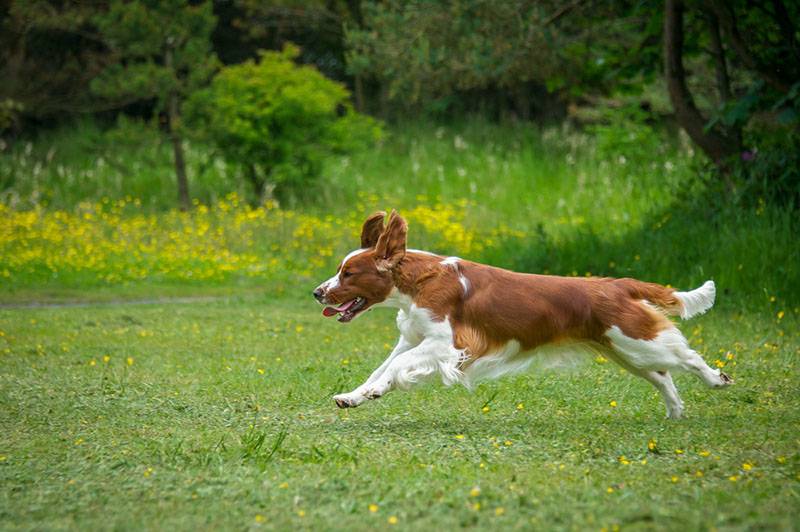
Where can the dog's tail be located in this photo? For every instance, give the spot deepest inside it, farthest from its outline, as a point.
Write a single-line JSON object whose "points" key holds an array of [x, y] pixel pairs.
{"points": [[674, 303]]}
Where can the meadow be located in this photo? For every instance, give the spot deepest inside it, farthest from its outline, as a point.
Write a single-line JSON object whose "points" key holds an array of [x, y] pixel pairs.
{"points": [[163, 369]]}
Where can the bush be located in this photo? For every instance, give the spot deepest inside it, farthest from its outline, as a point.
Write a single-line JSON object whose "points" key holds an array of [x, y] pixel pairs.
{"points": [[279, 120]]}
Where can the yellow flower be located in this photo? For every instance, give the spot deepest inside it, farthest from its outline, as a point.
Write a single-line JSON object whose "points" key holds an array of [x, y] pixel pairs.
{"points": [[485, 409], [106, 358], [719, 363], [729, 356], [780, 315], [284, 485], [652, 445], [613, 404], [259, 518], [299, 328], [301, 513], [747, 466], [499, 511], [459, 436], [474, 492], [129, 360], [674, 479], [476, 506], [678, 451], [92, 362], [698, 473], [520, 406], [704, 453], [392, 520], [261, 371], [508, 443], [373, 508], [733, 478], [609, 490]]}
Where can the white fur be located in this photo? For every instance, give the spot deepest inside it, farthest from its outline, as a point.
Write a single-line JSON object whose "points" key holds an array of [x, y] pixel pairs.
{"points": [[668, 351], [697, 301], [421, 252], [335, 281], [453, 263], [510, 359]]}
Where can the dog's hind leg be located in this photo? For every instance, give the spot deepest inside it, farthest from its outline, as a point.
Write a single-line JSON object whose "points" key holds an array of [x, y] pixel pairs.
{"points": [[668, 350], [661, 380]]}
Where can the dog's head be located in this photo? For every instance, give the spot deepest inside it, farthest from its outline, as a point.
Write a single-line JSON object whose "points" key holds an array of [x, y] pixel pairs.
{"points": [[364, 277]]}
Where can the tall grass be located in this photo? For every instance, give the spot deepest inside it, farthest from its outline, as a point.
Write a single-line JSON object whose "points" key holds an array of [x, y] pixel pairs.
{"points": [[620, 200]]}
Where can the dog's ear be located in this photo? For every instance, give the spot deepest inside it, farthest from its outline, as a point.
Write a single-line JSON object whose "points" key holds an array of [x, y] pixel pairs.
{"points": [[372, 229], [391, 246]]}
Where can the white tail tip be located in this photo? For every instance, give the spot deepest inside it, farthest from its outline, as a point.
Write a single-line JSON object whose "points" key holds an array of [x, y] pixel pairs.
{"points": [[697, 301]]}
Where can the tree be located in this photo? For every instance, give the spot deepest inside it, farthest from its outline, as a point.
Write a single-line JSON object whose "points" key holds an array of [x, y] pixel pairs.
{"points": [[49, 53], [162, 51], [716, 144], [517, 54], [278, 120], [767, 65]]}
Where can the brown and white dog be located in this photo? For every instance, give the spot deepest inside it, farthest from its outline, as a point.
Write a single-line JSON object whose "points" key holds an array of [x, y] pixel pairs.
{"points": [[468, 321]]}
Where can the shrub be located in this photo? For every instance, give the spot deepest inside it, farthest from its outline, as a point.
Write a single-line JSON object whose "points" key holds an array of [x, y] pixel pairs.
{"points": [[278, 120]]}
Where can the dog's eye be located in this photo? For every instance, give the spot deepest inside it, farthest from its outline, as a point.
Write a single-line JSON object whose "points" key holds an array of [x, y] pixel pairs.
{"points": [[347, 274]]}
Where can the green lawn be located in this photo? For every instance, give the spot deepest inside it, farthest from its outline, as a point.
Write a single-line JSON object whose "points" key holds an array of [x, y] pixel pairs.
{"points": [[218, 414]]}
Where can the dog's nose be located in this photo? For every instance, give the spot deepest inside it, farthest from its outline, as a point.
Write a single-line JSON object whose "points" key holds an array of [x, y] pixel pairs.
{"points": [[318, 293]]}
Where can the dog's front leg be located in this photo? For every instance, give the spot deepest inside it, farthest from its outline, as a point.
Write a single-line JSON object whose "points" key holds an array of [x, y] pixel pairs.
{"points": [[359, 395], [427, 358]]}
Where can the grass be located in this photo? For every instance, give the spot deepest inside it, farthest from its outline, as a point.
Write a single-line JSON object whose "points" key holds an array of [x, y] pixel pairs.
{"points": [[218, 415], [206, 403]]}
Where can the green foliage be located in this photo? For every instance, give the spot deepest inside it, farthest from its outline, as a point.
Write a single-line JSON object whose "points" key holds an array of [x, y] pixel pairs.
{"points": [[49, 52], [162, 48], [279, 120], [466, 45]]}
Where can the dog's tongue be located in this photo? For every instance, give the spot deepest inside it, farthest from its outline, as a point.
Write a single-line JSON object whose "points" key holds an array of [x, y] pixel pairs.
{"points": [[333, 311]]}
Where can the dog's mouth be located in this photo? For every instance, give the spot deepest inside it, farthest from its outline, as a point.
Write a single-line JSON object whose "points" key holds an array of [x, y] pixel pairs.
{"points": [[347, 311]]}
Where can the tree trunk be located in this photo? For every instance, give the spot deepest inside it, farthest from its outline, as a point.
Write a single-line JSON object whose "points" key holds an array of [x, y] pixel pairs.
{"points": [[716, 145], [787, 28], [173, 118], [718, 54], [721, 70], [768, 73], [358, 83]]}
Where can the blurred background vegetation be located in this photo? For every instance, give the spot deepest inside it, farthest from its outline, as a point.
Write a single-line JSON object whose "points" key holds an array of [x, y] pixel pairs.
{"points": [[240, 142]]}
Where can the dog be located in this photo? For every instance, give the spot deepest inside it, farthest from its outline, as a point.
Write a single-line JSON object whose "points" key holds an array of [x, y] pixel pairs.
{"points": [[468, 321]]}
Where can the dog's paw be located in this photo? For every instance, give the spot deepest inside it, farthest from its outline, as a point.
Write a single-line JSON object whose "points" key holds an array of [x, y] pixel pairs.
{"points": [[348, 400], [725, 380]]}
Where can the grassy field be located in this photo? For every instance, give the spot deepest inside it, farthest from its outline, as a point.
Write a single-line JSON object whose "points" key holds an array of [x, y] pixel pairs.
{"points": [[186, 380], [218, 414]]}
